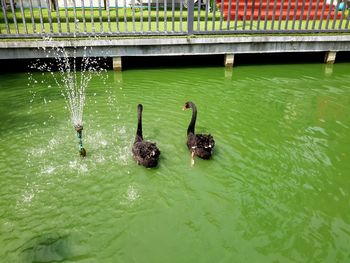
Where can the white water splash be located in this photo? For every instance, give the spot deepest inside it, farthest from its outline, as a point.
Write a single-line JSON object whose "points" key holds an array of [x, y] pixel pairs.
{"points": [[73, 75], [131, 196], [78, 166]]}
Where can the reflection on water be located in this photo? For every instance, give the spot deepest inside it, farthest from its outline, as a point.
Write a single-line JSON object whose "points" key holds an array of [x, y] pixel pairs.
{"points": [[48, 248], [276, 189]]}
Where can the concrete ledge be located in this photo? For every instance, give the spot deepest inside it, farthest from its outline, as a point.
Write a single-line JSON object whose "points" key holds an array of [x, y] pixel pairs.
{"points": [[175, 46]]}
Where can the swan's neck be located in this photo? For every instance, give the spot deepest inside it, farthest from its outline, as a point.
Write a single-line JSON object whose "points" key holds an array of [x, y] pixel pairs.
{"points": [[192, 124], [138, 136]]}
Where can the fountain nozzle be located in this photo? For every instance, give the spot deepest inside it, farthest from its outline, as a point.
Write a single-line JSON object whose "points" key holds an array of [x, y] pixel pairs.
{"points": [[82, 152], [79, 130]]}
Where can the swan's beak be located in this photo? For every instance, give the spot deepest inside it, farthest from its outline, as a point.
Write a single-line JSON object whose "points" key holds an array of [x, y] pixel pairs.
{"points": [[184, 108]]}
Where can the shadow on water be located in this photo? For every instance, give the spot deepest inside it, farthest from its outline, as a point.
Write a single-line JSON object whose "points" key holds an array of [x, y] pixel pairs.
{"points": [[279, 58], [173, 62], [186, 61], [27, 65], [287, 58], [47, 248], [55, 247]]}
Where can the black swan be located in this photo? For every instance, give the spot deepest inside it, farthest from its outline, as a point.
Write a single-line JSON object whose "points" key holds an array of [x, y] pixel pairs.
{"points": [[145, 153], [199, 144]]}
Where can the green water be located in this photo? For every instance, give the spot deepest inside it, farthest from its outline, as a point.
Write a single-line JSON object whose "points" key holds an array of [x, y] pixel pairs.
{"points": [[276, 190]]}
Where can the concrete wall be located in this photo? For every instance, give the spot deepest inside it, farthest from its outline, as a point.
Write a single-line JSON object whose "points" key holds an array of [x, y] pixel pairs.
{"points": [[176, 46]]}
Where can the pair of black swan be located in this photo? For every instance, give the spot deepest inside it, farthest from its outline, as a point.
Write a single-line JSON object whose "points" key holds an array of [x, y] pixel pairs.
{"points": [[147, 153]]}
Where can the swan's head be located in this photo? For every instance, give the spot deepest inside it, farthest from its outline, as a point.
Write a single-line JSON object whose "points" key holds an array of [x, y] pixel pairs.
{"points": [[140, 107], [187, 105]]}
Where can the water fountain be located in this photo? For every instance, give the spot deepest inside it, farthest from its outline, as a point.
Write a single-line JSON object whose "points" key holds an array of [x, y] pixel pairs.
{"points": [[72, 80]]}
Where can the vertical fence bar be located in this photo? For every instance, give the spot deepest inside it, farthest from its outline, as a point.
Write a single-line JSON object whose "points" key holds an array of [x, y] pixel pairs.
{"points": [[32, 16], [335, 14], [301, 14], [141, 15], [288, 14], [252, 15], [165, 15], [266, 14], [190, 17], [245, 14], [236, 15], [92, 16], [58, 17], [100, 14], [41, 17], [173, 15], [67, 17], [49, 15], [315, 15], [14, 16], [214, 15], [108, 16], [4, 19], [342, 17], [83, 15], [157, 15], [329, 13], [3, 7], [259, 15], [221, 13], [117, 16], [23, 17], [206, 16], [198, 15], [295, 14], [280, 15], [133, 15], [322, 14], [181, 10], [149, 15], [347, 21], [75, 16], [273, 14], [308, 15], [125, 17], [229, 14]]}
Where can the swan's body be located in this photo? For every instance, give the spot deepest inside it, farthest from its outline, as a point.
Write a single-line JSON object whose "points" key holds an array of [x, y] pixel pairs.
{"points": [[200, 145], [145, 153]]}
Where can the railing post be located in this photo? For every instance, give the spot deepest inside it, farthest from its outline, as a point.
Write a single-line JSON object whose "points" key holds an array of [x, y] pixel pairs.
{"points": [[330, 57], [117, 63], [190, 17]]}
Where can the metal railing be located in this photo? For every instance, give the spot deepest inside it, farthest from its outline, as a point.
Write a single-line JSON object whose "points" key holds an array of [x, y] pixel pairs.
{"points": [[67, 18]]}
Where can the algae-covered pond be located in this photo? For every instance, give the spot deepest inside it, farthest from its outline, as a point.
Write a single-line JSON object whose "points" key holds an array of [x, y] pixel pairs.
{"points": [[276, 189]]}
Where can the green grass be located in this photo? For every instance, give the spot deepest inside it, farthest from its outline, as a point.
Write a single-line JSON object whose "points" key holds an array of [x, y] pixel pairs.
{"points": [[121, 21]]}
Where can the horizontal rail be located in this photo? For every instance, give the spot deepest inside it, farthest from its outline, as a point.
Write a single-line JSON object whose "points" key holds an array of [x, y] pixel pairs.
{"points": [[85, 18]]}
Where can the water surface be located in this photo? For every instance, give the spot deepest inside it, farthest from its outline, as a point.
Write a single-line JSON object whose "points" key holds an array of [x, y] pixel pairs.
{"points": [[276, 190]]}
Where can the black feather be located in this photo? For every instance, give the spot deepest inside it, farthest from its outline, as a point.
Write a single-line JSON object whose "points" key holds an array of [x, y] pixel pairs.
{"points": [[201, 145], [145, 153]]}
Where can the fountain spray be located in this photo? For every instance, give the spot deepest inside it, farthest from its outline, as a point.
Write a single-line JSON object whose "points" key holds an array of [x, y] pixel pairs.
{"points": [[73, 80]]}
